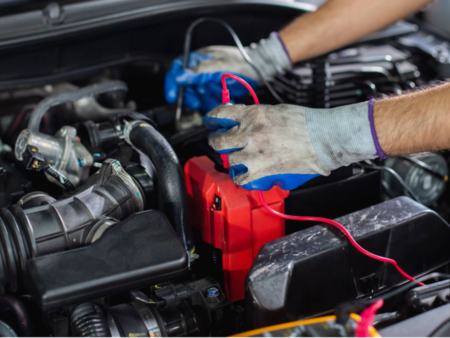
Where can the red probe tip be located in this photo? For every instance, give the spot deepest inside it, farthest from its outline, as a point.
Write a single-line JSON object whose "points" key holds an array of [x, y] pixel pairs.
{"points": [[224, 158], [225, 96]]}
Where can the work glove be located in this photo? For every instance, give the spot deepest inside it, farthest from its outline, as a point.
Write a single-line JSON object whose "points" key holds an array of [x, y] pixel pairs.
{"points": [[287, 145], [202, 81]]}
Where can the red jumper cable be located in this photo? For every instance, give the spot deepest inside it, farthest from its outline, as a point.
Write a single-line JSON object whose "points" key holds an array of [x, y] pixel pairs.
{"points": [[225, 100], [367, 318]]}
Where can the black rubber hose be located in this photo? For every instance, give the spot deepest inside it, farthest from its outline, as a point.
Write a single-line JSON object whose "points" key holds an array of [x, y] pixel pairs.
{"points": [[20, 312], [169, 174], [88, 320], [6, 330]]}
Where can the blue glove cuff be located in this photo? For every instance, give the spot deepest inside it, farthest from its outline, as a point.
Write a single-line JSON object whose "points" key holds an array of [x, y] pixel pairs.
{"points": [[284, 181]]}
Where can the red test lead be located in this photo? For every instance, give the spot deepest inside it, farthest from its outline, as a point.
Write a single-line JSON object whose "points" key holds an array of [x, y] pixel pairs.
{"points": [[226, 99]]}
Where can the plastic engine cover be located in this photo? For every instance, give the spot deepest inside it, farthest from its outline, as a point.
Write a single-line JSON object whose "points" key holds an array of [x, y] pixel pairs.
{"points": [[312, 271], [232, 219], [139, 251]]}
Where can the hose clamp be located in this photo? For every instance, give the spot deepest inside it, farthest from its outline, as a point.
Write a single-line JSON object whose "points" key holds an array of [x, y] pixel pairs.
{"points": [[148, 318], [128, 127]]}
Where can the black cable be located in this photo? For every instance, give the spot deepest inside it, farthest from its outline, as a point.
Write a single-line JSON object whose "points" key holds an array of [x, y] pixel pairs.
{"points": [[343, 311], [35, 161], [237, 41], [59, 177], [408, 285], [20, 312], [442, 330], [426, 167], [393, 173]]}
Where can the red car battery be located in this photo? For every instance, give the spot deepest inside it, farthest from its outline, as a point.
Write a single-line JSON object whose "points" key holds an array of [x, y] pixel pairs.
{"points": [[232, 219]]}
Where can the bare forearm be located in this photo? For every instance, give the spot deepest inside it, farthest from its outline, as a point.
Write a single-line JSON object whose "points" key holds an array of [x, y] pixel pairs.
{"points": [[340, 22], [415, 122]]}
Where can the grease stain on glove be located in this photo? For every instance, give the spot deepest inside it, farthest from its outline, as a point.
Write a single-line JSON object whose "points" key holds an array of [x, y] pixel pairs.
{"points": [[287, 145], [266, 145]]}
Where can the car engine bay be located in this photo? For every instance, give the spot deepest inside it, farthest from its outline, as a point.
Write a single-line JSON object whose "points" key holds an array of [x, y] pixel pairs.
{"points": [[117, 218]]}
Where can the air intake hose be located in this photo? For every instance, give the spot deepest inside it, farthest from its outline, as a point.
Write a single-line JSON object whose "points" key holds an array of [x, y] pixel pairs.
{"points": [[72, 221], [169, 175], [88, 320]]}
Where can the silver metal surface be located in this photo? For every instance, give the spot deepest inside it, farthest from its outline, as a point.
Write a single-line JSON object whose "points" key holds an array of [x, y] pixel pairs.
{"points": [[114, 330], [148, 318], [87, 108], [433, 46], [63, 151], [101, 227], [137, 193], [108, 197], [85, 16], [48, 146]]}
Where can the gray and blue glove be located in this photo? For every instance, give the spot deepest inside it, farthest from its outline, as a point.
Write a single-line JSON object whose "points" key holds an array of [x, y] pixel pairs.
{"points": [[287, 145], [202, 81]]}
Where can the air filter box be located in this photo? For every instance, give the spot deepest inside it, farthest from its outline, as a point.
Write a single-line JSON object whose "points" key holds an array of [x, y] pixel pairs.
{"points": [[312, 271], [232, 219], [140, 251]]}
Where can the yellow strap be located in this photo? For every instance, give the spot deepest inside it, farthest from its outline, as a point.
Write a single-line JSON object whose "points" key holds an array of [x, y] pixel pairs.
{"points": [[373, 332]]}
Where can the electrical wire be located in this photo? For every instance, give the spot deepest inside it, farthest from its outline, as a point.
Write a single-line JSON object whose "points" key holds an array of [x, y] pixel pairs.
{"points": [[343, 229], [53, 172], [367, 318], [226, 92], [393, 173], [426, 167], [225, 98], [409, 285], [343, 311], [237, 41]]}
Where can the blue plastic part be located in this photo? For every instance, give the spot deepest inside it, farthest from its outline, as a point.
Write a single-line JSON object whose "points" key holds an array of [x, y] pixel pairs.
{"points": [[202, 91], [213, 292]]}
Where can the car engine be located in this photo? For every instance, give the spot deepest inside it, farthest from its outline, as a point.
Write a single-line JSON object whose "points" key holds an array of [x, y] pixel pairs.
{"points": [[117, 218]]}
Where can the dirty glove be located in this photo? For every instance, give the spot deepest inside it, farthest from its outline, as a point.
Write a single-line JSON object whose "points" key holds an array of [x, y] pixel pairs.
{"points": [[287, 145], [203, 78]]}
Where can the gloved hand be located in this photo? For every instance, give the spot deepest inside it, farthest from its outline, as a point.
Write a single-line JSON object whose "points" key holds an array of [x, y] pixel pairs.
{"points": [[287, 145], [202, 80]]}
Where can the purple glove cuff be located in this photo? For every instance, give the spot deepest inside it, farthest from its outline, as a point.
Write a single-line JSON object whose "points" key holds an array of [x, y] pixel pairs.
{"points": [[284, 47], [380, 152]]}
